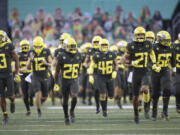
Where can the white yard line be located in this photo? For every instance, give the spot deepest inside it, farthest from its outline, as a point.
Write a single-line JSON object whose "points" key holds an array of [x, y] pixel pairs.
{"points": [[94, 107], [91, 129]]}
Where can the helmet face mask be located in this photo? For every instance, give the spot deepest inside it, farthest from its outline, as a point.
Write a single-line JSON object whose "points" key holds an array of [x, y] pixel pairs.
{"points": [[164, 38], [95, 42], [38, 44], [139, 34], [150, 36], [24, 46], [122, 46], [38, 49], [104, 45], [150, 39], [71, 46], [140, 37]]}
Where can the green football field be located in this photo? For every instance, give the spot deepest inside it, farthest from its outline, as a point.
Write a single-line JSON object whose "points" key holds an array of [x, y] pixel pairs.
{"points": [[87, 122]]}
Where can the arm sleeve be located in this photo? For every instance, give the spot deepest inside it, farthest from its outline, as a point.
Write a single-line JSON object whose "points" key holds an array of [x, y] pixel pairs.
{"points": [[173, 59], [152, 56]]}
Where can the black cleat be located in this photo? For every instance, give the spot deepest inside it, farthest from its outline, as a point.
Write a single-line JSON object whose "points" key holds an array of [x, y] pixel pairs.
{"points": [[97, 111], [12, 107], [164, 116], [67, 121], [39, 115], [146, 115], [119, 105], [154, 116], [28, 113], [31, 102], [72, 116], [136, 120], [5, 119], [125, 101], [89, 102], [83, 102], [104, 114]]}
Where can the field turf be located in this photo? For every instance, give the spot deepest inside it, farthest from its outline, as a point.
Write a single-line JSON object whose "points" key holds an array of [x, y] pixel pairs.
{"points": [[87, 122]]}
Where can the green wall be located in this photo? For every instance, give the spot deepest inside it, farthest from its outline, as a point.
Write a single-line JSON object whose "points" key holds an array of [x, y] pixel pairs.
{"points": [[166, 7]]}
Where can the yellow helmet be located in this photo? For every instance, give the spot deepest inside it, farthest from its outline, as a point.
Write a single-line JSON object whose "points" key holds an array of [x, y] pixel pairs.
{"points": [[113, 48], [24, 46], [71, 45], [104, 45], [139, 34], [164, 38], [3, 36], [62, 38], [38, 44], [95, 41], [150, 36], [82, 48], [88, 47], [122, 45]]}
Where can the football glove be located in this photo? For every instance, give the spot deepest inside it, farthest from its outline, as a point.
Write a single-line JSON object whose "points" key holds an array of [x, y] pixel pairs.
{"points": [[90, 71], [56, 87], [17, 78], [91, 79], [135, 63], [114, 74], [156, 68]]}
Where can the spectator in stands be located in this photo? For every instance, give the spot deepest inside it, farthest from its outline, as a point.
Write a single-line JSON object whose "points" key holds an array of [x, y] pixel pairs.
{"points": [[119, 14], [145, 16], [41, 15], [157, 21], [98, 15], [14, 15]]}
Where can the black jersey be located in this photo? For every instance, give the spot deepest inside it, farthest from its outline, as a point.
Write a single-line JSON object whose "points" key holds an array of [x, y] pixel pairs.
{"points": [[6, 59], [23, 58], [105, 62], [164, 56], [119, 56], [70, 64], [140, 52], [38, 67], [94, 52], [58, 51]]}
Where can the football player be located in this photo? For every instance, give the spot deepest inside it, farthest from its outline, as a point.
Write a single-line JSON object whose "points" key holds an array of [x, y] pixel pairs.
{"points": [[86, 54], [120, 79], [107, 68], [94, 87], [164, 54], [7, 54], [69, 63], [59, 50], [25, 86], [177, 77], [40, 59], [138, 52], [147, 96]]}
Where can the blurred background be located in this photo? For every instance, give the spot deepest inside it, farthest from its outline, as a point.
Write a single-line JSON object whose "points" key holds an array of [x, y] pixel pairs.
{"points": [[113, 19]]}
